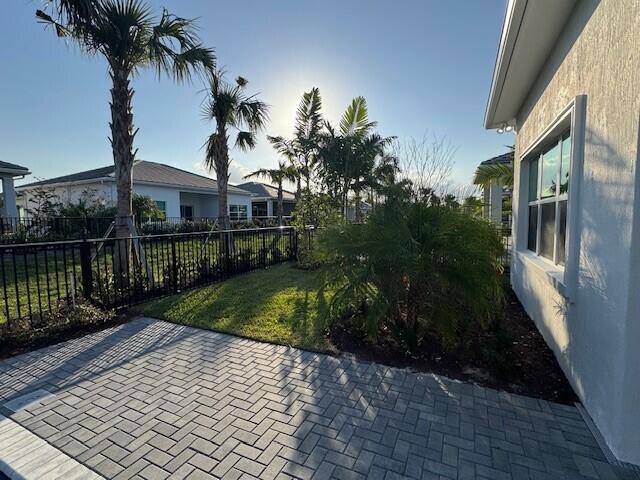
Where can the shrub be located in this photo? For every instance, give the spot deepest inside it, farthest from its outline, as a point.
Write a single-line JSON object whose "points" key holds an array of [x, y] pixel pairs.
{"points": [[313, 212], [416, 269]]}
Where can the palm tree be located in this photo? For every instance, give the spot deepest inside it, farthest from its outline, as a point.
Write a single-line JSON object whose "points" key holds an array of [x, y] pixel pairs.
{"points": [[302, 149], [230, 107], [289, 149], [349, 157], [277, 176], [130, 38]]}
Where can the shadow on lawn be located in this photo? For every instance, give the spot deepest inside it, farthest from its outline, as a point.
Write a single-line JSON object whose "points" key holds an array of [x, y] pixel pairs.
{"points": [[282, 305]]}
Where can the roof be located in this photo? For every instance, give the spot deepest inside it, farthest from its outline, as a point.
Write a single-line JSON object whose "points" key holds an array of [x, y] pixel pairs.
{"points": [[6, 167], [143, 172], [505, 158], [529, 35], [264, 190]]}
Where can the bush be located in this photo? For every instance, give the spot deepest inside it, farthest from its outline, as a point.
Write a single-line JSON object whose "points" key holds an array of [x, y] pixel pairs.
{"points": [[313, 212], [417, 269]]}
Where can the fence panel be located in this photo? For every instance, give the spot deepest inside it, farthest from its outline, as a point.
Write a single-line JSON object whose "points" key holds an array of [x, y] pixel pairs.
{"points": [[40, 281]]}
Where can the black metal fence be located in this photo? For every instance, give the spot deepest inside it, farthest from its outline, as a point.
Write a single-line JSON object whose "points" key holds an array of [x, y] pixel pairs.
{"points": [[41, 281]]}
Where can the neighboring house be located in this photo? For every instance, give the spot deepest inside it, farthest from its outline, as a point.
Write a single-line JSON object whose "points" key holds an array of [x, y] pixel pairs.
{"points": [[264, 199], [178, 193], [495, 196], [8, 172], [567, 79]]}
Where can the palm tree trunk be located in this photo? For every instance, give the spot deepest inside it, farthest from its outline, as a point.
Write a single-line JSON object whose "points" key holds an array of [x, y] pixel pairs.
{"points": [[222, 177], [358, 206], [280, 203], [122, 136], [221, 159]]}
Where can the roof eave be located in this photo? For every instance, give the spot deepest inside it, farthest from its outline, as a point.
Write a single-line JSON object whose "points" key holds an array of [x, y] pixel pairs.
{"points": [[529, 35], [14, 172]]}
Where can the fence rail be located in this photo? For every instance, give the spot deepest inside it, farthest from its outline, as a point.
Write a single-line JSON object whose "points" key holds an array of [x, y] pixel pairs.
{"points": [[15, 230], [40, 281]]}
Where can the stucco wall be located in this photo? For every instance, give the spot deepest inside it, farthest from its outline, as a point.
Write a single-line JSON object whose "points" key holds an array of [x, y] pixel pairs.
{"points": [[205, 205], [72, 193], [595, 335]]}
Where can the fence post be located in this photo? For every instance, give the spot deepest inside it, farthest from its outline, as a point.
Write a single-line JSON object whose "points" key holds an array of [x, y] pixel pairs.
{"points": [[174, 265], [293, 239], [227, 253], [85, 269]]}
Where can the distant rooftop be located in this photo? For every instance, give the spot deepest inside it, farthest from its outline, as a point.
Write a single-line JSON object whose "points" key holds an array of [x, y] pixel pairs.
{"points": [[145, 172], [505, 158], [6, 167], [260, 190]]}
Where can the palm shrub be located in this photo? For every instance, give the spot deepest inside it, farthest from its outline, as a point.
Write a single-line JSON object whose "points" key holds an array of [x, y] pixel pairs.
{"points": [[416, 269]]}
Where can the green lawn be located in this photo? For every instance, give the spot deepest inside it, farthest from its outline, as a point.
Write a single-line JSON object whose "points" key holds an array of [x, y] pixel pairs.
{"points": [[283, 304], [35, 282]]}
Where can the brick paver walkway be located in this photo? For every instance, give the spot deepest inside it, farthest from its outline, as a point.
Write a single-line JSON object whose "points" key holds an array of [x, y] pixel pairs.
{"points": [[155, 400]]}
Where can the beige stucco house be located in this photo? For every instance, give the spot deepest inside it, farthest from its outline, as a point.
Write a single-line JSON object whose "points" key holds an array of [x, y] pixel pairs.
{"points": [[567, 79]]}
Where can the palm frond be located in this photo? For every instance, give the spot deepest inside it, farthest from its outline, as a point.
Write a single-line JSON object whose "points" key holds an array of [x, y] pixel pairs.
{"points": [[245, 141], [252, 113], [173, 48], [355, 119], [498, 172], [309, 117]]}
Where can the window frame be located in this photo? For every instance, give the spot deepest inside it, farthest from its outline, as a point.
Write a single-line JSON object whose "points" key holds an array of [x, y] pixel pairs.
{"points": [[238, 207], [564, 280], [556, 199], [163, 209]]}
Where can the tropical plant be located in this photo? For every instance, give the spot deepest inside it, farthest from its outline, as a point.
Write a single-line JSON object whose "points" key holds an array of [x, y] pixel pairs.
{"points": [[278, 176], [144, 207], [472, 205], [231, 108], [44, 202], [500, 173], [130, 38], [349, 154], [416, 269], [302, 149]]}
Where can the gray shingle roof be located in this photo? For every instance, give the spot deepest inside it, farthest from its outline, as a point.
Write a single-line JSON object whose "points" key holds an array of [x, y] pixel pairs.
{"points": [[144, 171], [12, 166], [259, 189], [504, 158]]}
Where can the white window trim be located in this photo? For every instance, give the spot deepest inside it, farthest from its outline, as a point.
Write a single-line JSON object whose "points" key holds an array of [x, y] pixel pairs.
{"points": [[555, 199], [564, 280], [239, 206]]}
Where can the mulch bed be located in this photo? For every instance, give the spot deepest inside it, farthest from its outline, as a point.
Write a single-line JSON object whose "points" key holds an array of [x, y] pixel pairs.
{"points": [[35, 339], [513, 357]]}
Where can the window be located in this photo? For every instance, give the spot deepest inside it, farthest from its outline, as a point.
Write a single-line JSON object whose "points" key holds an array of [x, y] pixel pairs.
{"points": [[162, 206], [237, 212], [548, 195], [259, 209], [186, 212]]}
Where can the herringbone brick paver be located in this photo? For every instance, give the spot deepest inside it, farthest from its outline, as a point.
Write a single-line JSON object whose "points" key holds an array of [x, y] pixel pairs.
{"points": [[154, 400]]}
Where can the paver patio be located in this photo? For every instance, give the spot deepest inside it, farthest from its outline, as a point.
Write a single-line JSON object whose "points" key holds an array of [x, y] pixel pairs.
{"points": [[154, 400]]}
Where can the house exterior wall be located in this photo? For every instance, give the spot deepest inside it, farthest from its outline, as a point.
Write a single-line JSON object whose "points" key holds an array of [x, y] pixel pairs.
{"points": [[594, 327], [235, 199], [72, 193], [205, 205]]}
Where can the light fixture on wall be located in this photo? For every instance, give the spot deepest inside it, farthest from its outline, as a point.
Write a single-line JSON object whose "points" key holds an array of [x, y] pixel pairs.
{"points": [[505, 127]]}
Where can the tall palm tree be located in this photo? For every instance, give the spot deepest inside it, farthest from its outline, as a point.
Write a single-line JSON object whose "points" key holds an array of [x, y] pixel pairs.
{"points": [[130, 38], [231, 108], [302, 149], [277, 176], [350, 154]]}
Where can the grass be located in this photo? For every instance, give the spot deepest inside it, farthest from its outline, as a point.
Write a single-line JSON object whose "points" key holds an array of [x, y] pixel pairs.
{"points": [[42, 280], [283, 304]]}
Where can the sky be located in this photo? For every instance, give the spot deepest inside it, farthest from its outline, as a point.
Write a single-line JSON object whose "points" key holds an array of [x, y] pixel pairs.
{"points": [[424, 67]]}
